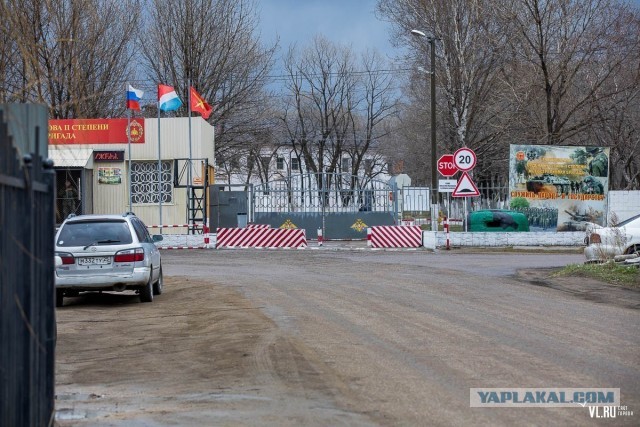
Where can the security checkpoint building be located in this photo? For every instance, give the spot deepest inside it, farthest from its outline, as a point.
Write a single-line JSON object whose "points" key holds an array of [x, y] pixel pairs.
{"points": [[93, 156]]}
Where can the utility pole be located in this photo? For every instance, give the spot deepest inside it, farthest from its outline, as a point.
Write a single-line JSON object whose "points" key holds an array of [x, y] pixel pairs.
{"points": [[434, 167]]}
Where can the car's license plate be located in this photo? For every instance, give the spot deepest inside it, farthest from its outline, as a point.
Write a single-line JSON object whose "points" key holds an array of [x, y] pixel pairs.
{"points": [[94, 260]]}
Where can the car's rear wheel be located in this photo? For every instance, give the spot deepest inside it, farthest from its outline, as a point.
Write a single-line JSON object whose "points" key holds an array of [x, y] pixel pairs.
{"points": [[59, 297], [157, 287], [146, 291]]}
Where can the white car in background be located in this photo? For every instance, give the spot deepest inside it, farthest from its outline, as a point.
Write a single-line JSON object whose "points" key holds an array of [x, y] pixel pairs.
{"points": [[606, 242], [106, 253]]}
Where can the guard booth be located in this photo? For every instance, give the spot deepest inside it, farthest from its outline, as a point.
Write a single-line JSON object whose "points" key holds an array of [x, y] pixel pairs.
{"points": [[229, 205]]}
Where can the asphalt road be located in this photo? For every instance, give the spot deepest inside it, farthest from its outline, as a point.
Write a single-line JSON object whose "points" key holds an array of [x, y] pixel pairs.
{"points": [[361, 337]]}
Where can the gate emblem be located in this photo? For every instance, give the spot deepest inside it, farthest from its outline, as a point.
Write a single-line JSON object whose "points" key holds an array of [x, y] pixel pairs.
{"points": [[359, 225], [288, 225]]}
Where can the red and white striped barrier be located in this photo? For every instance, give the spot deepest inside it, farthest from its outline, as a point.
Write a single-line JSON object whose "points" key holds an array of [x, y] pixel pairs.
{"points": [[396, 236], [260, 238], [258, 226]]}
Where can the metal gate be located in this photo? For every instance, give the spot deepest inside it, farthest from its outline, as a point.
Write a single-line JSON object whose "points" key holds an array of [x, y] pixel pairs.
{"points": [[228, 206], [27, 312], [341, 205]]}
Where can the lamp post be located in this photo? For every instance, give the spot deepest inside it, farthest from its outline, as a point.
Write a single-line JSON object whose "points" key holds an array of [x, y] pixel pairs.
{"points": [[434, 167]]}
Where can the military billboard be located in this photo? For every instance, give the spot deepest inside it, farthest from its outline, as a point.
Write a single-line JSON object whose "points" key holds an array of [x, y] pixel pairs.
{"points": [[565, 186]]}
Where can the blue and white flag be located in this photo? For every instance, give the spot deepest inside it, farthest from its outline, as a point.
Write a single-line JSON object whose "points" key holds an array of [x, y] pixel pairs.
{"points": [[168, 98]]}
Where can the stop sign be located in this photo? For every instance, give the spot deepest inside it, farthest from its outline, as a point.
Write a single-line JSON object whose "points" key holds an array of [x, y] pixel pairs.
{"points": [[446, 165]]}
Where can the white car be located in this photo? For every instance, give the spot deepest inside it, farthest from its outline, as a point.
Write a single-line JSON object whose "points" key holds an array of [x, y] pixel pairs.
{"points": [[606, 242], [106, 253]]}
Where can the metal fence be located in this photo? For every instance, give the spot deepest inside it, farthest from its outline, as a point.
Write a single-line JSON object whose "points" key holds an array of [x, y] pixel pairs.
{"points": [[317, 192], [342, 193], [27, 309], [416, 201]]}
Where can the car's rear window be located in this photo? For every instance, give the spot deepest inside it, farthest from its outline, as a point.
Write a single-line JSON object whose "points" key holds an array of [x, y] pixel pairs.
{"points": [[82, 233]]}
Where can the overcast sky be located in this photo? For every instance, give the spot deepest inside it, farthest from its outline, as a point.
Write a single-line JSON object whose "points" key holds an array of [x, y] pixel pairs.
{"points": [[342, 21]]}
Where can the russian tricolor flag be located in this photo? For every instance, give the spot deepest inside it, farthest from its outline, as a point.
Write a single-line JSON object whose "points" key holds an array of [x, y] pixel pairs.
{"points": [[133, 98], [168, 98]]}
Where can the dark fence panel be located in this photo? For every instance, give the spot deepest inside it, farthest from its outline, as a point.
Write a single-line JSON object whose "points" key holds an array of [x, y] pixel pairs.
{"points": [[27, 307]]}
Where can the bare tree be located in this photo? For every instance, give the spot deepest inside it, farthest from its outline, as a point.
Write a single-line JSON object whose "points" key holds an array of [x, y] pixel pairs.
{"points": [[531, 71], [618, 126], [570, 49], [318, 87], [370, 116], [468, 58], [214, 45], [73, 56], [335, 107]]}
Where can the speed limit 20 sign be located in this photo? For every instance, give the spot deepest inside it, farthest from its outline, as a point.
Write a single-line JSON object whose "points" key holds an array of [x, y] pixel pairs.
{"points": [[465, 159]]}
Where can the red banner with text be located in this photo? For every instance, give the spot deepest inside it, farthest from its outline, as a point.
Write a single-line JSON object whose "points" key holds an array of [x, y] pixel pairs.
{"points": [[95, 131]]}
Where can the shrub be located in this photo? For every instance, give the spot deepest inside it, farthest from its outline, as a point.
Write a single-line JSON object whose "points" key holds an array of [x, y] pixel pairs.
{"points": [[519, 203]]}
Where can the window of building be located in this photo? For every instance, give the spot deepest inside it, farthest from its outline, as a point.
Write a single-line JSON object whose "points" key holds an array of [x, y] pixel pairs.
{"points": [[265, 160], [345, 164], [251, 161], [144, 182], [295, 164], [368, 166], [235, 163], [280, 163]]}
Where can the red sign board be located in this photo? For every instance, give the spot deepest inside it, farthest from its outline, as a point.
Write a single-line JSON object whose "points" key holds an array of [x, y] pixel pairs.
{"points": [[446, 165], [95, 131]]}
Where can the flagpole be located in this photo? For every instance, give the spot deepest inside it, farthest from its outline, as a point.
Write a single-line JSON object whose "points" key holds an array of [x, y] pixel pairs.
{"points": [[129, 144], [189, 173], [159, 169]]}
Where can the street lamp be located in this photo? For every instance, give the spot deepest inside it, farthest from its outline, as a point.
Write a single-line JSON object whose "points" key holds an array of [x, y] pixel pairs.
{"points": [[434, 175]]}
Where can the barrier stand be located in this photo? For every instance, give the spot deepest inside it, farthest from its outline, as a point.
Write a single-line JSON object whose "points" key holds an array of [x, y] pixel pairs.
{"points": [[446, 229], [319, 236], [369, 237], [205, 230]]}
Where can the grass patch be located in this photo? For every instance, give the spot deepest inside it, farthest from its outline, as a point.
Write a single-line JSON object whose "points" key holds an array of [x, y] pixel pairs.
{"points": [[609, 272]]}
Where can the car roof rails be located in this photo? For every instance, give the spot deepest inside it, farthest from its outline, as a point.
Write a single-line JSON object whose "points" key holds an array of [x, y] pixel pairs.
{"points": [[71, 215], [128, 214]]}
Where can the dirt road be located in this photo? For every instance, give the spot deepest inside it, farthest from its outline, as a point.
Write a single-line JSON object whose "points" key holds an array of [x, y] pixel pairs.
{"points": [[328, 337]]}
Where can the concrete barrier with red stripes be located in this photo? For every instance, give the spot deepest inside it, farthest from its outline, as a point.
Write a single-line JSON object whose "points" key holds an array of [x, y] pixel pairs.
{"points": [[395, 236], [258, 226], [260, 238]]}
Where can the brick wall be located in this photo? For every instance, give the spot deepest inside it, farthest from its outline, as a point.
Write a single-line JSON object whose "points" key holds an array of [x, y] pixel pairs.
{"points": [[431, 240]]}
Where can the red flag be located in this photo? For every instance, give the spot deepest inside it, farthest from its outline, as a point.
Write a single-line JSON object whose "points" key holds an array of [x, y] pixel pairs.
{"points": [[199, 105]]}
